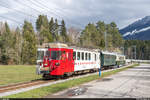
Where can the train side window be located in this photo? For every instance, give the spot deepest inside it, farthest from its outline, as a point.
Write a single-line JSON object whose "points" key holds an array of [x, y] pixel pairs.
{"points": [[95, 57], [82, 55], [48, 54], [85, 56], [74, 55], [78, 56], [89, 56]]}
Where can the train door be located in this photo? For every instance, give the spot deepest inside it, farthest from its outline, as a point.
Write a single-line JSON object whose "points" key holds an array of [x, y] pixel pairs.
{"points": [[70, 61], [64, 61]]}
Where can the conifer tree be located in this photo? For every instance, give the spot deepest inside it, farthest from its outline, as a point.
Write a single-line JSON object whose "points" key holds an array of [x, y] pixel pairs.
{"points": [[29, 44], [6, 44], [51, 25], [42, 26], [18, 45], [63, 32]]}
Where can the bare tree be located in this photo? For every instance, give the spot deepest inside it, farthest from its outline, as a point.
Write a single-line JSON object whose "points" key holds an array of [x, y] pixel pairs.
{"points": [[74, 34]]}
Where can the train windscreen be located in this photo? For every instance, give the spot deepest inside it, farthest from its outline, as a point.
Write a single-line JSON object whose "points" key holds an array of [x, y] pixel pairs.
{"points": [[55, 55]]}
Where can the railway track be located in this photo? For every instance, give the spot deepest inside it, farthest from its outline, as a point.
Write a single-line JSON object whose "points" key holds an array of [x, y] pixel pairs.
{"points": [[31, 83], [22, 85], [14, 87]]}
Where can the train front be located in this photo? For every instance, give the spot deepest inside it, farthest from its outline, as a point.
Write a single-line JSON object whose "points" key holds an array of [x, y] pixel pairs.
{"points": [[48, 61], [52, 62]]}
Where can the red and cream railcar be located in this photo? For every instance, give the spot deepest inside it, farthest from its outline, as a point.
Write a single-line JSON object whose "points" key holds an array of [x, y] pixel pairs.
{"points": [[59, 59]]}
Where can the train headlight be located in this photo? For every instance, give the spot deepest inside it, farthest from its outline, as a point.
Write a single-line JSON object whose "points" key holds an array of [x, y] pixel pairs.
{"points": [[57, 64]]}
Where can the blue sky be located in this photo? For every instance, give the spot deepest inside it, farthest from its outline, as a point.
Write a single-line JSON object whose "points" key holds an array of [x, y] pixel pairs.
{"points": [[76, 13]]}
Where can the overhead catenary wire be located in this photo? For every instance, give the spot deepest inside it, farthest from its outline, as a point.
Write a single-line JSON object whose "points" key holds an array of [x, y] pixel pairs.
{"points": [[24, 4], [37, 5], [49, 8], [19, 11], [43, 7], [12, 20]]}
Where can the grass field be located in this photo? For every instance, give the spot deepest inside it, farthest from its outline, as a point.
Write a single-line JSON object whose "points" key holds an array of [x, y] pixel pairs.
{"points": [[43, 91], [10, 74]]}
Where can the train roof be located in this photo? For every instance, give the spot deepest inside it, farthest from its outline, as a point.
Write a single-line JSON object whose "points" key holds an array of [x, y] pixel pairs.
{"points": [[85, 49], [62, 45], [109, 53], [53, 45], [120, 55]]}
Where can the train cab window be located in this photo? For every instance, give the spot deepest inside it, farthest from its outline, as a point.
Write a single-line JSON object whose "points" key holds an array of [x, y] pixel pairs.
{"points": [[78, 56], [95, 57], [89, 56], [56, 55], [86, 56], [82, 55], [74, 55], [48, 54]]}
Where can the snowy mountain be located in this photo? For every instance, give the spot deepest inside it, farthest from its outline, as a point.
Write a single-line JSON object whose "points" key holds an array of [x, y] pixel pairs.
{"points": [[138, 30]]}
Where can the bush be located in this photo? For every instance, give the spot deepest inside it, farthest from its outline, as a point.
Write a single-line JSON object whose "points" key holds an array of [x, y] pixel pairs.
{"points": [[4, 59]]}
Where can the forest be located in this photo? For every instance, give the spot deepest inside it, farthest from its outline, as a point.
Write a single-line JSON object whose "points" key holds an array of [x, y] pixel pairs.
{"points": [[137, 49], [19, 46]]}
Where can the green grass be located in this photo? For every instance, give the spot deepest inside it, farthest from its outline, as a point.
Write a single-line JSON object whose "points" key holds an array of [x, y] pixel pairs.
{"points": [[43, 91], [145, 63], [10, 74]]}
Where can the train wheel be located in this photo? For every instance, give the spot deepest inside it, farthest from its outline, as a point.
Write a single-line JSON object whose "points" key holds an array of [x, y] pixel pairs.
{"points": [[46, 77]]}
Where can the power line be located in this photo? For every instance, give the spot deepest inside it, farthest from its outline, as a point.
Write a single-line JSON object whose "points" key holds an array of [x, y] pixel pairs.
{"points": [[30, 7], [43, 7], [17, 11], [50, 8], [46, 6], [27, 6], [12, 20]]}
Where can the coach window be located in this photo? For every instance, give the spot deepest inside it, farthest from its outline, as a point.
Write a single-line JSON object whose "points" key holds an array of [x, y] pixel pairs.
{"points": [[82, 55], [89, 56], [95, 57], [85, 56], [78, 56], [74, 55]]}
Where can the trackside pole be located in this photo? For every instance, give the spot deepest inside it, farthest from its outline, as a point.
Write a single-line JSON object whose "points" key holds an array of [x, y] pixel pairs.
{"points": [[99, 72]]}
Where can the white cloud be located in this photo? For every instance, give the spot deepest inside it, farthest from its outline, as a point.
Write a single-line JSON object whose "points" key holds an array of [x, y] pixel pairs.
{"points": [[79, 12]]}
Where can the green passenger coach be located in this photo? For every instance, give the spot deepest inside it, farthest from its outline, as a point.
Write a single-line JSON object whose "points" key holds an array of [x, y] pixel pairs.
{"points": [[108, 59]]}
